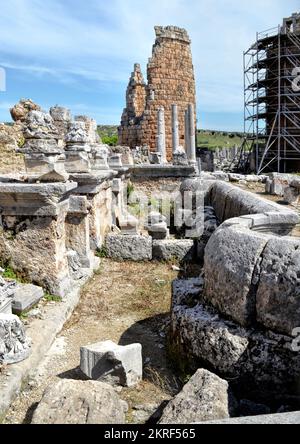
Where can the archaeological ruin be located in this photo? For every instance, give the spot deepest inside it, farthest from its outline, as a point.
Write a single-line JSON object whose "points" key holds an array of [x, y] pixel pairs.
{"points": [[170, 81], [144, 283]]}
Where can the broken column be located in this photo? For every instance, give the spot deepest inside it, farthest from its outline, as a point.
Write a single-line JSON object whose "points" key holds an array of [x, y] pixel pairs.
{"points": [[44, 156], [187, 133], [175, 129], [161, 135], [179, 154], [192, 135]]}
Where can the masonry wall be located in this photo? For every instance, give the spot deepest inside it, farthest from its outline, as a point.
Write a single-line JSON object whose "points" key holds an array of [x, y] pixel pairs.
{"points": [[171, 80]]}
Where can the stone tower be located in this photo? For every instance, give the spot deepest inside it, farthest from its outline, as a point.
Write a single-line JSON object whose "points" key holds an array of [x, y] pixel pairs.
{"points": [[171, 81]]}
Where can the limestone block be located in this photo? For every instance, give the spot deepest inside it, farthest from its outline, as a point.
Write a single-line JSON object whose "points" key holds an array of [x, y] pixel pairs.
{"points": [[256, 362], [112, 363], [77, 162], [38, 146], [158, 230], [46, 168], [134, 248], [77, 133], [79, 402], [115, 161], [278, 293], [186, 291], [59, 113], [25, 297], [170, 249], [205, 397], [39, 125], [14, 346], [230, 266]]}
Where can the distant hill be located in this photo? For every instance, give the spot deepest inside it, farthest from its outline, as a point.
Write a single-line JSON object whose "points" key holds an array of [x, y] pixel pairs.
{"points": [[205, 138]]}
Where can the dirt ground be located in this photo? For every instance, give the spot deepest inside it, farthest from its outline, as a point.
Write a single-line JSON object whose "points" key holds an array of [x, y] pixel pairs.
{"points": [[125, 302]]}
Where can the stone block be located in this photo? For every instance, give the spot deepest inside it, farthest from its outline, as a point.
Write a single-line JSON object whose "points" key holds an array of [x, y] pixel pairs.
{"points": [[25, 297], [112, 363], [278, 293], [129, 247], [187, 291], [257, 362], [5, 305], [205, 397], [179, 249], [230, 265], [77, 162], [14, 346], [79, 402]]}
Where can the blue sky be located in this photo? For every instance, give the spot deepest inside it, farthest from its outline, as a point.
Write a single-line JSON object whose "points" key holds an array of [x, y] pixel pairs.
{"points": [[80, 53]]}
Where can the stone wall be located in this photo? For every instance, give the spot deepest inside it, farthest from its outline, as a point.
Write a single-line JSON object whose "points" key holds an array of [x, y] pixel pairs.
{"points": [[242, 323], [170, 76]]}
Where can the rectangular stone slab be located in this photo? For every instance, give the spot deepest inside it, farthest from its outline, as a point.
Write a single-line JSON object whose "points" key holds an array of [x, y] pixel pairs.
{"points": [[25, 297]]}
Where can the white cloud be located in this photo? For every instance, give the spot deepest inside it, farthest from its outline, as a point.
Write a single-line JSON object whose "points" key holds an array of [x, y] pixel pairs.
{"points": [[100, 40]]}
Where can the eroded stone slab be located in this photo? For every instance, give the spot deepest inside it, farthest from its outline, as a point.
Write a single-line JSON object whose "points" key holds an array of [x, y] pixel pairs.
{"points": [[25, 297], [205, 397], [129, 247], [80, 402], [112, 363]]}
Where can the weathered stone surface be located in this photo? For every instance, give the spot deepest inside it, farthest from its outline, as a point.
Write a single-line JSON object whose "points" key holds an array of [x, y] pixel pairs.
{"points": [[79, 402], [14, 346], [229, 201], [180, 249], [20, 110], [39, 125], [281, 418], [59, 113], [205, 397], [278, 293], [25, 297], [206, 336], [257, 363], [77, 134], [135, 248], [112, 363], [230, 266], [37, 146], [187, 291]]}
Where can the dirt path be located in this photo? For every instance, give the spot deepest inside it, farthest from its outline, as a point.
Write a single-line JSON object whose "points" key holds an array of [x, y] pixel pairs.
{"points": [[124, 302]]}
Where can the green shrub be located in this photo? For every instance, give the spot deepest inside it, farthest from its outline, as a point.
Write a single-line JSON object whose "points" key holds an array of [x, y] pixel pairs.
{"points": [[110, 140], [102, 252]]}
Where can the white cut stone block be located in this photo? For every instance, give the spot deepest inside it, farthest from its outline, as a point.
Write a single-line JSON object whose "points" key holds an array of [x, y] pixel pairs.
{"points": [[112, 363]]}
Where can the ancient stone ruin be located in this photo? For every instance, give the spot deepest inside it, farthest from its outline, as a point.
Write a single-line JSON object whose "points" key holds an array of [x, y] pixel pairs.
{"points": [[82, 215], [170, 81]]}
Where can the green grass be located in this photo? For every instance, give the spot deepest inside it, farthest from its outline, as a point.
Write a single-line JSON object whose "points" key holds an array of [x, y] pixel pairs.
{"points": [[101, 252], [10, 274], [205, 138], [52, 298], [218, 139]]}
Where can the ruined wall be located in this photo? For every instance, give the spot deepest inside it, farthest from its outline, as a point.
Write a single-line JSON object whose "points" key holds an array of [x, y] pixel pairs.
{"points": [[171, 80]]}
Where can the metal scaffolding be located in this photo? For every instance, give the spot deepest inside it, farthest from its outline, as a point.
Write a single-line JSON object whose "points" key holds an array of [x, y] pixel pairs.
{"points": [[272, 99]]}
